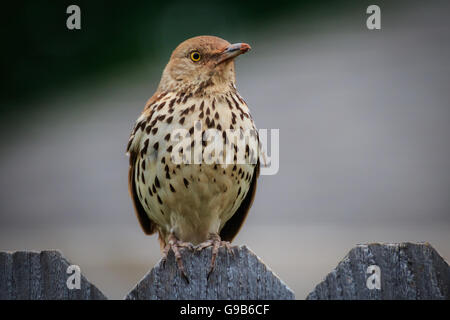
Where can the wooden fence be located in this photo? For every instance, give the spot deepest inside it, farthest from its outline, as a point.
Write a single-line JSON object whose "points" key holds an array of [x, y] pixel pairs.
{"points": [[372, 271]]}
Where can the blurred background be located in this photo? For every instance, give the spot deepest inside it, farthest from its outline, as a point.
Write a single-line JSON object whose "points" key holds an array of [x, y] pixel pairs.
{"points": [[363, 118]]}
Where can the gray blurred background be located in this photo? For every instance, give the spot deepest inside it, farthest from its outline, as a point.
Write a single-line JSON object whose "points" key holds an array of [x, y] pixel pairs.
{"points": [[363, 118]]}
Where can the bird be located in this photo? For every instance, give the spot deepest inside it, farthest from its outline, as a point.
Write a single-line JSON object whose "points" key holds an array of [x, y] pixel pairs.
{"points": [[195, 203]]}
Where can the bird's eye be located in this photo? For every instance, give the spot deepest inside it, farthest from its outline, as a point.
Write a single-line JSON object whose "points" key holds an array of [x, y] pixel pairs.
{"points": [[195, 56]]}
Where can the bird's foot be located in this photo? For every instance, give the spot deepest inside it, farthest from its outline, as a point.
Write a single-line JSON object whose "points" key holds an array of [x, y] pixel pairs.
{"points": [[215, 242], [176, 245]]}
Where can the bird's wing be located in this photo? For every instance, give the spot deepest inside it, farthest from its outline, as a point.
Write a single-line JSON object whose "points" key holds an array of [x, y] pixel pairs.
{"points": [[148, 226], [232, 226]]}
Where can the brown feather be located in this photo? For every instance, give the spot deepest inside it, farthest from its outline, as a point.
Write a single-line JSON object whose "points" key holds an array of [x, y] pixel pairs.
{"points": [[232, 226], [148, 226]]}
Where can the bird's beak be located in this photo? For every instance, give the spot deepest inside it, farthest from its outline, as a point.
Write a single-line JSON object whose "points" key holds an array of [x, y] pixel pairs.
{"points": [[233, 51]]}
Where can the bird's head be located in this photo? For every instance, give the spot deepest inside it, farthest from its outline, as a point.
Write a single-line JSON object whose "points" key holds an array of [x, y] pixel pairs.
{"points": [[201, 62]]}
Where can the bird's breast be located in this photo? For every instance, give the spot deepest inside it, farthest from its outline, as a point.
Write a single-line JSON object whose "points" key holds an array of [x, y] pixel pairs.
{"points": [[195, 160]]}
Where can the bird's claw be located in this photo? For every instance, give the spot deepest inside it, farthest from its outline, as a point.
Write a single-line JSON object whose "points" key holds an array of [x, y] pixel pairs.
{"points": [[176, 245], [215, 242]]}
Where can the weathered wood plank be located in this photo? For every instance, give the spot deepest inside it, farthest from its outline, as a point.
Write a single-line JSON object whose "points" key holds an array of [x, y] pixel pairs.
{"points": [[407, 271], [241, 275], [28, 275]]}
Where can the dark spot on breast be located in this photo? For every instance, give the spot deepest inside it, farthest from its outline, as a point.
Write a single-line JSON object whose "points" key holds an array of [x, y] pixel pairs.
{"points": [[167, 175], [161, 106], [167, 137], [184, 112], [159, 199], [142, 178], [169, 149], [140, 125], [144, 149], [172, 102], [157, 182], [150, 191], [187, 97], [155, 130], [186, 183], [171, 188], [169, 119], [229, 103], [216, 115], [156, 145], [181, 120], [235, 102]]}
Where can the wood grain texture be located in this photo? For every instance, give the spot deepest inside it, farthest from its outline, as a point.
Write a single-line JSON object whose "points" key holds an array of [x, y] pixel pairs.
{"points": [[408, 271], [28, 275], [237, 275]]}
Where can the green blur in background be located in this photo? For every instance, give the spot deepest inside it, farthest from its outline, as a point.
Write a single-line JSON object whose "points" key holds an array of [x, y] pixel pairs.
{"points": [[43, 56]]}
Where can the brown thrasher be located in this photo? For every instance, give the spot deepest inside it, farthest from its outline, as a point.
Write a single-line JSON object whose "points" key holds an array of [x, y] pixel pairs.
{"points": [[206, 202]]}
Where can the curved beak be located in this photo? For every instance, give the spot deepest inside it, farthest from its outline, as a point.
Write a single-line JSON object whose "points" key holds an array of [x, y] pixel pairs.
{"points": [[233, 51]]}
